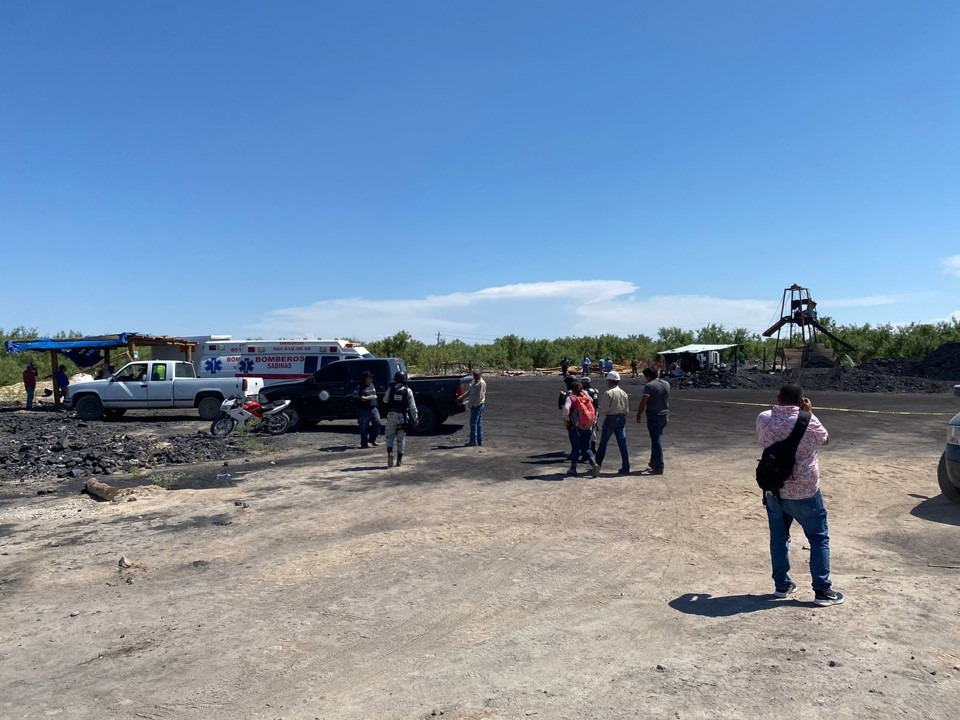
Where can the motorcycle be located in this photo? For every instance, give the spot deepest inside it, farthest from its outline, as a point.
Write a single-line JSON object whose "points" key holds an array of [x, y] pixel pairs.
{"points": [[236, 410]]}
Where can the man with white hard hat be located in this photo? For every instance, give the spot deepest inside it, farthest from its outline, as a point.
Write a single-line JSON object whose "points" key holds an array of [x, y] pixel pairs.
{"points": [[614, 406]]}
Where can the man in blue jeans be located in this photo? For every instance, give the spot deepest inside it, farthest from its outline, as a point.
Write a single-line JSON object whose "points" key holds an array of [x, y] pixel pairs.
{"points": [[799, 499], [614, 406], [476, 398], [656, 401], [368, 412]]}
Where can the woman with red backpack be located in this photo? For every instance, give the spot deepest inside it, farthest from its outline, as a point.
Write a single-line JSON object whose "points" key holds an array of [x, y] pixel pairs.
{"points": [[579, 417]]}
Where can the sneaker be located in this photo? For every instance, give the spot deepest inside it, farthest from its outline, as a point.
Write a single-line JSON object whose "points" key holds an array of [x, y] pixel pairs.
{"points": [[373, 443], [785, 592], [623, 471], [824, 598], [470, 444], [572, 470], [596, 469], [390, 460]]}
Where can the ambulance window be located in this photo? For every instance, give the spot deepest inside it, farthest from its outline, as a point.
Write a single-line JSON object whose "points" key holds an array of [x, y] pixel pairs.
{"points": [[327, 359], [310, 364]]}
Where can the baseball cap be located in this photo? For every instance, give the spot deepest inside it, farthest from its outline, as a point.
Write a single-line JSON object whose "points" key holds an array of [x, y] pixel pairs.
{"points": [[613, 375]]}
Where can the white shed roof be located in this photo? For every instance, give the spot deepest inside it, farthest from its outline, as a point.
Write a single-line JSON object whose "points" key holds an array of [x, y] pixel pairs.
{"points": [[695, 349]]}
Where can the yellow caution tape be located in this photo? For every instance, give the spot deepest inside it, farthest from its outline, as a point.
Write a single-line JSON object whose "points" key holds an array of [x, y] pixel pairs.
{"points": [[819, 408]]}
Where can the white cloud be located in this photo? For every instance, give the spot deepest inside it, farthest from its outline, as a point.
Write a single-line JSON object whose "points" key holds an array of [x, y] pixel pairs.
{"points": [[951, 265], [952, 317], [873, 300], [533, 310]]}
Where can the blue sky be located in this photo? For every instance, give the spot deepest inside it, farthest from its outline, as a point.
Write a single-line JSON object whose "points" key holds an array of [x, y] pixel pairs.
{"points": [[475, 168]]}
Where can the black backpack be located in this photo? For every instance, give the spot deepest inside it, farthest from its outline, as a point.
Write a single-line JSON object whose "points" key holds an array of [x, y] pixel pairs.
{"points": [[777, 461]]}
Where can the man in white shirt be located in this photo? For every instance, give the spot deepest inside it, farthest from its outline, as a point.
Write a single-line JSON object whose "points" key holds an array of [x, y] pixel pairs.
{"points": [[614, 406], [476, 397]]}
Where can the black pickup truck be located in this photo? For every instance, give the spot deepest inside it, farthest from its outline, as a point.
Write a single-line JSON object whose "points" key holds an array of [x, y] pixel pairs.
{"points": [[329, 393], [948, 471]]}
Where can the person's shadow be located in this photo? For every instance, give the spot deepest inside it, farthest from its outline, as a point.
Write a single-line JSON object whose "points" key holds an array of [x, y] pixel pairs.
{"points": [[707, 605], [550, 477]]}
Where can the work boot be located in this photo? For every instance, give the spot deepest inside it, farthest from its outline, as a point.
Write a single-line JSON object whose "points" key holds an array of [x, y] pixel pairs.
{"points": [[399, 459], [390, 462], [573, 469]]}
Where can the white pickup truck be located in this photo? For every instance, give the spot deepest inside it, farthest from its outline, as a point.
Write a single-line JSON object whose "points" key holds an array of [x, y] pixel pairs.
{"points": [[156, 384]]}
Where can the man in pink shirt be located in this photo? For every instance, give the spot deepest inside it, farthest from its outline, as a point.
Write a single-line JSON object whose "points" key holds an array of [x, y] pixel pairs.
{"points": [[799, 499]]}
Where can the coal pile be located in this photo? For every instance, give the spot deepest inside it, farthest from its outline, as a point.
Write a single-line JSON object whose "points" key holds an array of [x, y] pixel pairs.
{"points": [[866, 380], [710, 379], [46, 444], [892, 366], [862, 379], [943, 363]]}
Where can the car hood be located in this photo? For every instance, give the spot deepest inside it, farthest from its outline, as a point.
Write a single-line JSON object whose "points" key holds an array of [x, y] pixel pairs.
{"points": [[282, 387], [89, 385]]}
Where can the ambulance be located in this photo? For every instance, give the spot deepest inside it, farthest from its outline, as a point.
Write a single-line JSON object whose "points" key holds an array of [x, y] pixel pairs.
{"points": [[272, 360]]}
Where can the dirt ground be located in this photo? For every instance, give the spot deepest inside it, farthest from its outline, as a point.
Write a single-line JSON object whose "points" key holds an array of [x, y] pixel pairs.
{"points": [[480, 583]]}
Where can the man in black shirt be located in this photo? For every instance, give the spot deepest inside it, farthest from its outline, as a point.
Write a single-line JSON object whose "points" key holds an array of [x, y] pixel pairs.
{"points": [[368, 414], [656, 401]]}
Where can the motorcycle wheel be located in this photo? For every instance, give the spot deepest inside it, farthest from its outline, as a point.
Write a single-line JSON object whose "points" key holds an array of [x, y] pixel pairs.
{"points": [[277, 424], [222, 426]]}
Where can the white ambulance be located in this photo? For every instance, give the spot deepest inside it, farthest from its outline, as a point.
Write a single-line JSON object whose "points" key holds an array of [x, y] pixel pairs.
{"points": [[272, 360]]}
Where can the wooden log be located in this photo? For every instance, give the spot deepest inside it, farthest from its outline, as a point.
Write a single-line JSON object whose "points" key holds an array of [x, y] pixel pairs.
{"points": [[101, 489]]}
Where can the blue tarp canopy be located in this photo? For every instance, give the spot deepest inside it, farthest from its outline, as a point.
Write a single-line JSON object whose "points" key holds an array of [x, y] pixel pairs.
{"points": [[42, 344]]}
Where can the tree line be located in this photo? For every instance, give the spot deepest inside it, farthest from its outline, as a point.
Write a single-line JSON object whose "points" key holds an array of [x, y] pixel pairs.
{"points": [[913, 342]]}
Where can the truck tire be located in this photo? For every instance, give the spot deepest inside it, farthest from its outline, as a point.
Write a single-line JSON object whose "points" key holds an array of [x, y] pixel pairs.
{"points": [[209, 407], [293, 412], [427, 422], [114, 413], [949, 490], [89, 407]]}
